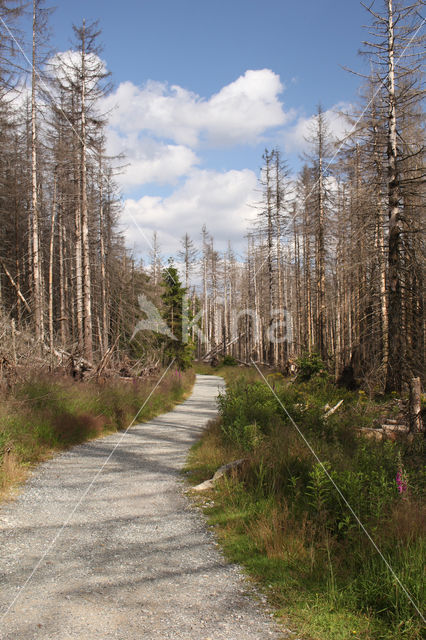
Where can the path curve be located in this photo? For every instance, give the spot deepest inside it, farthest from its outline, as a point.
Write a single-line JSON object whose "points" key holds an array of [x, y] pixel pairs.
{"points": [[135, 561]]}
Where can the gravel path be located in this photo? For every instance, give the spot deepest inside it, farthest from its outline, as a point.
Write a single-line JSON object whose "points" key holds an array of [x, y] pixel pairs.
{"points": [[131, 558]]}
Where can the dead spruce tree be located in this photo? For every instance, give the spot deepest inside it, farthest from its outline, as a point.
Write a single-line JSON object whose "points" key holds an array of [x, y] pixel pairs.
{"points": [[82, 76], [395, 50]]}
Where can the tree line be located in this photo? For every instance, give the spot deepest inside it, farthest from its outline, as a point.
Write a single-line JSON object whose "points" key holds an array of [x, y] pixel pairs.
{"points": [[333, 262], [66, 276]]}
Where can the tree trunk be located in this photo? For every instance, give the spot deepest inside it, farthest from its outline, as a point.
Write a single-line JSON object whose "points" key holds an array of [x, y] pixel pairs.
{"points": [[36, 261], [396, 351], [415, 406], [321, 310], [87, 295], [52, 236], [105, 328]]}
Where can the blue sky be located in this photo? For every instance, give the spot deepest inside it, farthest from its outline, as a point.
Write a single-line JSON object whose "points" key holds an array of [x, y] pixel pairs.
{"points": [[203, 45], [201, 87]]}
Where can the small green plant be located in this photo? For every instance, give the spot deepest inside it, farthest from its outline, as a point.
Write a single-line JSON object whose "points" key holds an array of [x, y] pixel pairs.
{"points": [[252, 437], [247, 404], [229, 361], [309, 365], [319, 489]]}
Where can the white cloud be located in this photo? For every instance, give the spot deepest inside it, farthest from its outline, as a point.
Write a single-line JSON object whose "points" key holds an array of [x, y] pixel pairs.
{"points": [[65, 66], [238, 114], [147, 160], [295, 137], [220, 200], [162, 130]]}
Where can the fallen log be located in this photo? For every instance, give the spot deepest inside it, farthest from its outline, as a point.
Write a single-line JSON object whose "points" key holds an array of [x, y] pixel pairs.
{"points": [[106, 358], [222, 471], [16, 286], [395, 428], [333, 409]]}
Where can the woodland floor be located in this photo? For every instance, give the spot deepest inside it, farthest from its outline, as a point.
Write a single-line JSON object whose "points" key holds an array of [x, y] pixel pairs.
{"points": [[100, 546]]}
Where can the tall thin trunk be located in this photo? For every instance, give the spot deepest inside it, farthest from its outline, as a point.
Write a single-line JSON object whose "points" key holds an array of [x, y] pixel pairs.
{"points": [[78, 279], [51, 243], [87, 289], [213, 275], [380, 253], [205, 315], [307, 279], [297, 286], [62, 284], [395, 341], [279, 346], [269, 215], [321, 311], [36, 266], [17, 267], [104, 310]]}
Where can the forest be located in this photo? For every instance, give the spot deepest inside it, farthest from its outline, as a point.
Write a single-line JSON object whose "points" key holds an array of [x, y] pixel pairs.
{"points": [[333, 263], [328, 296]]}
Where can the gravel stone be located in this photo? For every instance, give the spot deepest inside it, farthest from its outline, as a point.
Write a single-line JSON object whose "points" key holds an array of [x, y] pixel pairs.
{"points": [[130, 559]]}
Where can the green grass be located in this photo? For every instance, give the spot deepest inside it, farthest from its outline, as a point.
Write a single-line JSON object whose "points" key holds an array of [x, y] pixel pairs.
{"points": [[281, 518], [47, 415], [230, 373], [299, 603]]}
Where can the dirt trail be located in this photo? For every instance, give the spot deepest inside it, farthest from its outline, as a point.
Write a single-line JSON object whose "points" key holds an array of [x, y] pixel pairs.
{"points": [[134, 560]]}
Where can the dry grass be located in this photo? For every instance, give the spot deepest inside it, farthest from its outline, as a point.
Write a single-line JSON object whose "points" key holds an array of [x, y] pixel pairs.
{"points": [[208, 455], [408, 521], [50, 414], [281, 536], [11, 473]]}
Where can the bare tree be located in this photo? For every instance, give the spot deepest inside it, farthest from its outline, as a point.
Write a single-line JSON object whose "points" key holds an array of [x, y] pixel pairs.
{"points": [[188, 254], [396, 51]]}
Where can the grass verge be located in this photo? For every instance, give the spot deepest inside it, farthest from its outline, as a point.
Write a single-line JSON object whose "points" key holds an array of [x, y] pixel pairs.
{"points": [[48, 415], [282, 519]]}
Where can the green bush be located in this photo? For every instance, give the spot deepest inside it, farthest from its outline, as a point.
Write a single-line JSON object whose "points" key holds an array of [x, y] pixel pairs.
{"points": [[309, 365], [244, 405]]}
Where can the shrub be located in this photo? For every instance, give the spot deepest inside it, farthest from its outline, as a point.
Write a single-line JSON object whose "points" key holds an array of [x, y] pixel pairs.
{"points": [[245, 405], [309, 365]]}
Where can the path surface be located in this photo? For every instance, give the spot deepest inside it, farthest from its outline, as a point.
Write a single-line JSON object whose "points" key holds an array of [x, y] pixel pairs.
{"points": [[135, 560]]}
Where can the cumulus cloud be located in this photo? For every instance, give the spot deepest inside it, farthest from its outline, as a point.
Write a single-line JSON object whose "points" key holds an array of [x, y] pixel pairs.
{"points": [[66, 65], [147, 160], [162, 130], [220, 200], [295, 137], [238, 114]]}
